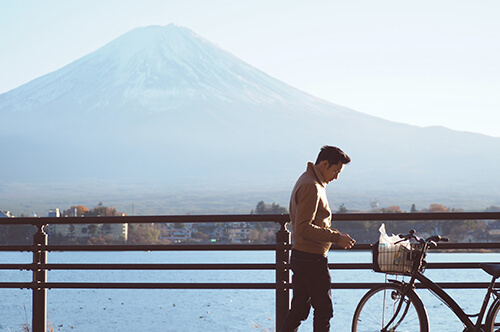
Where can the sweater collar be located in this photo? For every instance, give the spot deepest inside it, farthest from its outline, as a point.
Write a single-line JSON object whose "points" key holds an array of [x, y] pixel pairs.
{"points": [[315, 170]]}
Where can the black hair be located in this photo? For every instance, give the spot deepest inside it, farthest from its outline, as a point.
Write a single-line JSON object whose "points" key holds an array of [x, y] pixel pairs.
{"points": [[333, 155]]}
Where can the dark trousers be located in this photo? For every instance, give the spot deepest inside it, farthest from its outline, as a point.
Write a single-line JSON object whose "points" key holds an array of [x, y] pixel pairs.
{"points": [[311, 287]]}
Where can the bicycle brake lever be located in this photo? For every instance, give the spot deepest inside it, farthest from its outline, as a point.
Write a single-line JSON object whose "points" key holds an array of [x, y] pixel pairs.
{"points": [[419, 239], [438, 238]]}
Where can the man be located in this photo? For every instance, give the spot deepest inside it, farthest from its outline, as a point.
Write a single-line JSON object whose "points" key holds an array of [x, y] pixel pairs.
{"points": [[310, 216]]}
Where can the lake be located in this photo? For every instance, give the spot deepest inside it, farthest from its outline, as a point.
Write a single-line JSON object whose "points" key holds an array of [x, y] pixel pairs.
{"points": [[204, 310]]}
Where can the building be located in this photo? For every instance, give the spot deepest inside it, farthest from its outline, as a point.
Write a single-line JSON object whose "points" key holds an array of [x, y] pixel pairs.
{"points": [[175, 233], [239, 232], [75, 231]]}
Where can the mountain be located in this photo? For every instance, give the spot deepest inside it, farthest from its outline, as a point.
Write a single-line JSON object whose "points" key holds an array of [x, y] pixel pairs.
{"points": [[164, 105]]}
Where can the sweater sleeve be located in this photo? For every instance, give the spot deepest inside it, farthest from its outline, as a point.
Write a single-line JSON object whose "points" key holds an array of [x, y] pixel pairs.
{"points": [[307, 200]]}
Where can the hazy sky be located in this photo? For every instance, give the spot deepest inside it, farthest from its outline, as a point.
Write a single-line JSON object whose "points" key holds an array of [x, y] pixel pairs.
{"points": [[426, 62]]}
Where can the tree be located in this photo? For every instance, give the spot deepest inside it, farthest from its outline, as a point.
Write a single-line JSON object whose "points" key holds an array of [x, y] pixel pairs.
{"points": [[101, 210], [457, 232], [392, 209], [76, 211], [342, 209], [17, 234], [143, 234], [263, 208], [200, 235], [106, 229], [266, 236], [260, 208], [437, 208], [92, 229], [71, 231]]}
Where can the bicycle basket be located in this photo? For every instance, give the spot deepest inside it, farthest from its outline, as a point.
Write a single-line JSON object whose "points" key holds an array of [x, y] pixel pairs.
{"points": [[393, 258]]}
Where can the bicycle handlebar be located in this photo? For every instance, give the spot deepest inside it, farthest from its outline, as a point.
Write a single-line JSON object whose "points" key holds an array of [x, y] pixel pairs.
{"points": [[432, 240]]}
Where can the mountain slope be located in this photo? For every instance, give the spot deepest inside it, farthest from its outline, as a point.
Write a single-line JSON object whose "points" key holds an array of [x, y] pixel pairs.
{"points": [[164, 104]]}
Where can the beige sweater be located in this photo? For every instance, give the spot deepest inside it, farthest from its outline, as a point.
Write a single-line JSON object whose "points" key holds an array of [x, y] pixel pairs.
{"points": [[310, 214]]}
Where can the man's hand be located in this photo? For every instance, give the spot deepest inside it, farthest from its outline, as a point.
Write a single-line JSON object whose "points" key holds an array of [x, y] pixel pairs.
{"points": [[345, 241]]}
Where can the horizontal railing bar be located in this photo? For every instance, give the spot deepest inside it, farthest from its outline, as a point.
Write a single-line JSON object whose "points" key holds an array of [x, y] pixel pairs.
{"points": [[214, 266], [417, 216], [129, 285], [239, 266], [447, 285], [474, 245], [454, 265], [159, 285], [20, 285], [162, 285], [166, 247], [19, 248], [226, 247], [456, 285], [279, 218], [16, 266], [369, 266], [441, 246]]}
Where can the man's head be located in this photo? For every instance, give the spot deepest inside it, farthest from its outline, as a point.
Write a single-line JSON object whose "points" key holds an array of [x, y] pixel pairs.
{"points": [[331, 161]]}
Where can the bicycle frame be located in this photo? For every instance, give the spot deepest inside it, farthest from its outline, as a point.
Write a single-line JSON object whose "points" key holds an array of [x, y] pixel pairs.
{"points": [[451, 303]]}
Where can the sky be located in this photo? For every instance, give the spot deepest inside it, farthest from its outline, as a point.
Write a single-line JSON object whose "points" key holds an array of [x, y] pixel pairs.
{"points": [[424, 63]]}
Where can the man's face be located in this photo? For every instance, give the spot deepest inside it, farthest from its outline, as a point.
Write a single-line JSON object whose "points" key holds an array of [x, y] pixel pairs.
{"points": [[332, 173]]}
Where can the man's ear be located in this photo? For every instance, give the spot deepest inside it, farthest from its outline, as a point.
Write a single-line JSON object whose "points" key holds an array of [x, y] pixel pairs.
{"points": [[324, 164]]}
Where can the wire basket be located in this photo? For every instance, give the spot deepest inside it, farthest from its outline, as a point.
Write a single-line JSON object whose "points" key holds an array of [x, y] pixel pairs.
{"points": [[393, 258]]}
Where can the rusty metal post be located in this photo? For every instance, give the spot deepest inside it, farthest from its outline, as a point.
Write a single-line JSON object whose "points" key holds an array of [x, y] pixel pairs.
{"points": [[39, 310], [283, 240]]}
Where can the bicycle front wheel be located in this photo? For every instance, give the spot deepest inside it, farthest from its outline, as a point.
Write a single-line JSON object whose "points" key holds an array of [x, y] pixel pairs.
{"points": [[384, 309]]}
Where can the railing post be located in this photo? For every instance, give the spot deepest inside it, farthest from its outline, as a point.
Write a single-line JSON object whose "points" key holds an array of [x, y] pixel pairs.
{"points": [[39, 310], [283, 241]]}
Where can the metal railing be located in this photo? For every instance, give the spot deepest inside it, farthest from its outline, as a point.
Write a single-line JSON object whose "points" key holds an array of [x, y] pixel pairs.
{"points": [[282, 284]]}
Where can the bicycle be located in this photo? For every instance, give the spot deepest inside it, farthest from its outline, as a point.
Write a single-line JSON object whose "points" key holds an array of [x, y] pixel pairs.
{"points": [[395, 306]]}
